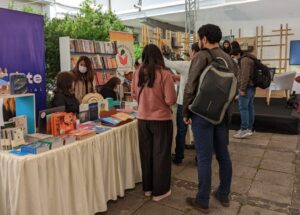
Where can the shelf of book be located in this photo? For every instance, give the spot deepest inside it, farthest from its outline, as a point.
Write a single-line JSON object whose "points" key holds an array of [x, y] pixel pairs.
{"points": [[102, 54], [96, 53]]}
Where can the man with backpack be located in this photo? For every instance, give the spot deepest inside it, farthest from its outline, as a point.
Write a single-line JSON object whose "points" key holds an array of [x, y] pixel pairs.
{"points": [[199, 103], [246, 91]]}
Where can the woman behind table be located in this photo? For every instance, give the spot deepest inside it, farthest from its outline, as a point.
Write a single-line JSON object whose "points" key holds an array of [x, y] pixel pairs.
{"points": [[109, 90], [153, 88], [84, 78], [64, 93]]}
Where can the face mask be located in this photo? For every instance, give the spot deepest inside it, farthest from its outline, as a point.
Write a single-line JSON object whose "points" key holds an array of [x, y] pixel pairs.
{"points": [[235, 60], [82, 69]]}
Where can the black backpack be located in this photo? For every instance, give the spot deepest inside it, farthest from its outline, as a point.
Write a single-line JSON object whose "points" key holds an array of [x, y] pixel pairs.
{"points": [[261, 74], [216, 90]]}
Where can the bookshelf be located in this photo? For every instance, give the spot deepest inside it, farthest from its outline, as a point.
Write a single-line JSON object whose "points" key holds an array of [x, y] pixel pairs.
{"points": [[102, 55], [25, 105]]}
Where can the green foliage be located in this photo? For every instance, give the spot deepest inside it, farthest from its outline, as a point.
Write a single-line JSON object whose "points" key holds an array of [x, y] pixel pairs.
{"points": [[137, 51], [90, 23]]}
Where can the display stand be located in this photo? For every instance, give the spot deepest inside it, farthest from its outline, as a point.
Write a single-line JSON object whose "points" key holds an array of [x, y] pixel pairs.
{"points": [[104, 62], [25, 105]]}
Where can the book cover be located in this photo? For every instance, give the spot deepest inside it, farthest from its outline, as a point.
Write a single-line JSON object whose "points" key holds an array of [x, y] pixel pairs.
{"points": [[53, 142], [83, 134], [21, 122], [93, 111], [111, 121], [100, 129], [122, 116], [35, 148], [68, 139]]}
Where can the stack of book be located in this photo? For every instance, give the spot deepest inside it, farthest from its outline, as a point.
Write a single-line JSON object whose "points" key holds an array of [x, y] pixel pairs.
{"points": [[117, 119], [54, 142], [35, 148]]}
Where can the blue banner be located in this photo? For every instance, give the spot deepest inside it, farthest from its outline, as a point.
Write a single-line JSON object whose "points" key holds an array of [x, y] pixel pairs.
{"points": [[22, 50]]}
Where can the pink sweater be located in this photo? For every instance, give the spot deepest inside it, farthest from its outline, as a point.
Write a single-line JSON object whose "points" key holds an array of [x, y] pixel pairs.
{"points": [[155, 103]]}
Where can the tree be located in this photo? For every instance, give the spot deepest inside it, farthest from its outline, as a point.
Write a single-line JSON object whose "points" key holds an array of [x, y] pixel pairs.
{"points": [[90, 23]]}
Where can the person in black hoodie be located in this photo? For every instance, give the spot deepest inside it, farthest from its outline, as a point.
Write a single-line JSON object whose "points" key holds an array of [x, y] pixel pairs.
{"points": [[226, 46], [109, 89], [64, 94]]}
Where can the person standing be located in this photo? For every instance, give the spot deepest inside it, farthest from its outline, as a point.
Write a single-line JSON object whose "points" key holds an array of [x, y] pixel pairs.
{"points": [[246, 91], [182, 67], [207, 136], [226, 47], [84, 78], [154, 90]]}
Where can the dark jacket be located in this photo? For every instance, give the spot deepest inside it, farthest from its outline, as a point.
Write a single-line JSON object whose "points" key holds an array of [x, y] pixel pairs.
{"points": [[245, 75], [108, 93], [69, 101], [200, 61]]}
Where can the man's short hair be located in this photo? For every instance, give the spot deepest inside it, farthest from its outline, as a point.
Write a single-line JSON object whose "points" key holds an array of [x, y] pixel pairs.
{"points": [[212, 32], [195, 47]]}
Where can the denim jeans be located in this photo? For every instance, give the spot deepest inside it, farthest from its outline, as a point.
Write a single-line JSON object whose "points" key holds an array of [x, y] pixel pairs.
{"points": [[246, 108], [181, 133], [209, 138]]}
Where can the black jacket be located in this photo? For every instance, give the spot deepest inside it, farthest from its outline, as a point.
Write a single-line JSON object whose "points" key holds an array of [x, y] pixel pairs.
{"points": [[108, 93], [69, 101]]}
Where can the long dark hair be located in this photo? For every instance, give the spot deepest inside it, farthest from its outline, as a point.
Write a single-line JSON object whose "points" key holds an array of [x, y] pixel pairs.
{"points": [[64, 83], [89, 75], [152, 59], [112, 83]]}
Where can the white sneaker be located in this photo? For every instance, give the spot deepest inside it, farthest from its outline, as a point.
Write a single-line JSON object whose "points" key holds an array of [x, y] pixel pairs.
{"points": [[250, 133], [241, 134], [158, 198]]}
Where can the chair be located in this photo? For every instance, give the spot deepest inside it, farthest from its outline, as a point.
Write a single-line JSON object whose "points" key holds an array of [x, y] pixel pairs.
{"points": [[282, 81]]}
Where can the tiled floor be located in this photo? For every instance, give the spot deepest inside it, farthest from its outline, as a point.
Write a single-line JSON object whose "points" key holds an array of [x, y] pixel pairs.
{"points": [[266, 181]]}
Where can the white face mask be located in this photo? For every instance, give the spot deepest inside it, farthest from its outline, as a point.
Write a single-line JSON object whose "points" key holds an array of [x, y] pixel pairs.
{"points": [[82, 69]]}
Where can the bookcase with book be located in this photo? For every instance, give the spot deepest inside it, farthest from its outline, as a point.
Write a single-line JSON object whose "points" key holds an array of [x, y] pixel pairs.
{"points": [[102, 55]]}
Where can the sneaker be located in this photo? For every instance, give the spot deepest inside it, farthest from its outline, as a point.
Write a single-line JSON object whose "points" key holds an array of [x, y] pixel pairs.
{"points": [[225, 201], [250, 133], [148, 193], [177, 161], [241, 134], [197, 205], [161, 197]]}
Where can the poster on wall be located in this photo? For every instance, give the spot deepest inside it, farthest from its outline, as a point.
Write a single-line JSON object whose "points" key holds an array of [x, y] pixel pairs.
{"points": [[295, 52], [22, 50], [125, 55]]}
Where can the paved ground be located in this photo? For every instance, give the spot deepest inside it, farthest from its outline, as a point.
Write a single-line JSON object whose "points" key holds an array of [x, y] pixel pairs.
{"points": [[266, 181]]}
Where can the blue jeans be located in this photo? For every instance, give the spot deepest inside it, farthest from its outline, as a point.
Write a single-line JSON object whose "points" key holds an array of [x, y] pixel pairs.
{"points": [[181, 133], [246, 108], [209, 138]]}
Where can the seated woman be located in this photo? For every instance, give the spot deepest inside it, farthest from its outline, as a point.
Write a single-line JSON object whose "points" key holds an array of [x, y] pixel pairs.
{"points": [[109, 89], [64, 94]]}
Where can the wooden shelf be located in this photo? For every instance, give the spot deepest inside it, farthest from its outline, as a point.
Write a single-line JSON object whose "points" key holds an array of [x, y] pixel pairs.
{"points": [[105, 70], [88, 53]]}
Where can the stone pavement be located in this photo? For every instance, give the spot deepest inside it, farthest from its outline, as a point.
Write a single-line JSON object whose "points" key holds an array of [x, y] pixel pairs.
{"points": [[266, 181]]}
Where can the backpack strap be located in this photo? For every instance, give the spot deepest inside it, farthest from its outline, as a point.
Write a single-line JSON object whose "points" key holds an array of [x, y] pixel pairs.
{"points": [[216, 59]]}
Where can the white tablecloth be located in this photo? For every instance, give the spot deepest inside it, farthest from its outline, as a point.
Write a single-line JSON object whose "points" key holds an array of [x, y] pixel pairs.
{"points": [[77, 179]]}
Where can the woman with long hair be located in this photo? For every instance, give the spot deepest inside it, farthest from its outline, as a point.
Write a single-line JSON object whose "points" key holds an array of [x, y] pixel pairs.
{"points": [[154, 90], [84, 78], [109, 89], [64, 94]]}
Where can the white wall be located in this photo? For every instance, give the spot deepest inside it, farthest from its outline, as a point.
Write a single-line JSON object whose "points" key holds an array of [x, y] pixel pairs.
{"points": [[248, 28]]}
